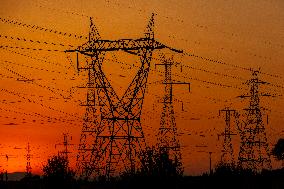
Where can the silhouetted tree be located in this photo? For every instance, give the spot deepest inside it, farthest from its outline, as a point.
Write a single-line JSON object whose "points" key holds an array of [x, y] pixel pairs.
{"points": [[225, 169], [157, 170], [278, 150], [56, 171], [230, 169], [1, 176], [157, 162]]}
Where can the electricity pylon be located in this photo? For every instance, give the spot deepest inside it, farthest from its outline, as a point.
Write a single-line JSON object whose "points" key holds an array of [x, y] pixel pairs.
{"points": [[64, 153], [112, 135], [227, 156], [254, 149], [7, 156], [167, 135], [28, 166]]}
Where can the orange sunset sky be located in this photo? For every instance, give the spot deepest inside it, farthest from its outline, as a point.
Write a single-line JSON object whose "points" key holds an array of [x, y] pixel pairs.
{"points": [[238, 33]]}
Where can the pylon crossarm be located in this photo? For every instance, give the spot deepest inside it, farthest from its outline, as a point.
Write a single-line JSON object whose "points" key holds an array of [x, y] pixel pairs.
{"points": [[122, 44]]}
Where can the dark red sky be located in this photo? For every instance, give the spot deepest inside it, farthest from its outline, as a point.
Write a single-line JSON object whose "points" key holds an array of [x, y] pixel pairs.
{"points": [[247, 34]]}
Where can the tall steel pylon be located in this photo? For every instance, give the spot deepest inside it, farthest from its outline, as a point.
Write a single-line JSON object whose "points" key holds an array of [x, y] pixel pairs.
{"points": [[254, 149], [64, 153], [227, 156], [167, 135], [7, 156], [28, 166], [112, 135]]}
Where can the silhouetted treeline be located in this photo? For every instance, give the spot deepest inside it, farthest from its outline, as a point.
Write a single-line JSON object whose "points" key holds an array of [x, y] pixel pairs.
{"points": [[157, 171], [266, 179], [57, 173]]}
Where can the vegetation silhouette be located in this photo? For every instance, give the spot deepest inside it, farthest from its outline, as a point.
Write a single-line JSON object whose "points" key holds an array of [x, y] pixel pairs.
{"points": [[57, 173], [2, 175], [278, 150], [157, 162], [157, 170], [232, 170]]}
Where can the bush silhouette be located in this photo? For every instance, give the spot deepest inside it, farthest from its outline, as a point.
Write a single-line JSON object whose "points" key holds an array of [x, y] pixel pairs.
{"points": [[57, 171], [278, 150], [230, 169], [157, 170], [157, 162]]}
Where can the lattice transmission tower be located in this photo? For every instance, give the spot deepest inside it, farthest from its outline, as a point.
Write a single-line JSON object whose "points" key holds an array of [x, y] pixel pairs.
{"points": [[64, 153], [227, 156], [112, 135], [28, 166], [167, 135], [254, 150]]}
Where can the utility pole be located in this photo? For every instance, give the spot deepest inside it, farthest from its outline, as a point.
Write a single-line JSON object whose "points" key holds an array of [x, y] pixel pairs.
{"points": [[210, 158], [168, 141], [112, 136], [210, 163], [254, 150], [227, 156]]}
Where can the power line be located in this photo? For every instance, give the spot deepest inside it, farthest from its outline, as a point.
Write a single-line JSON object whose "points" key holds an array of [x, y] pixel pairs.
{"points": [[27, 80], [34, 41], [63, 11], [32, 101], [30, 48], [49, 118], [208, 82], [37, 59], [198, 25], [227, 64], [196, 79], [37, 68], [35, 27]]}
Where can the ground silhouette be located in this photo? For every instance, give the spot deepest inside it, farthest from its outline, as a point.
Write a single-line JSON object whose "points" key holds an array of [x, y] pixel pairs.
{"points": [[157, 171]]}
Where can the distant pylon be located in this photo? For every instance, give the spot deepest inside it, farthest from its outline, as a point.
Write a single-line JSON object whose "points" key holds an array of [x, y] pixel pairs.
{"points": [[227, 156], [64, 153], [167, 135], [112, 135], [254, 150], [7, 156], [28, 166]]}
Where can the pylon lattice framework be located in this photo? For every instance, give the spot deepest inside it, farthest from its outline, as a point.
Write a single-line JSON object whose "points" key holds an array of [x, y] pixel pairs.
{"points": [[28, 166], [64, 153], [167, 135], [254, 149], [112, 136], [227, 156]]}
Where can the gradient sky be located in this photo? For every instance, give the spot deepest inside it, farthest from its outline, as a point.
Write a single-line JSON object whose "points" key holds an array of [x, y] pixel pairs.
{"points": [[239, 33]]}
